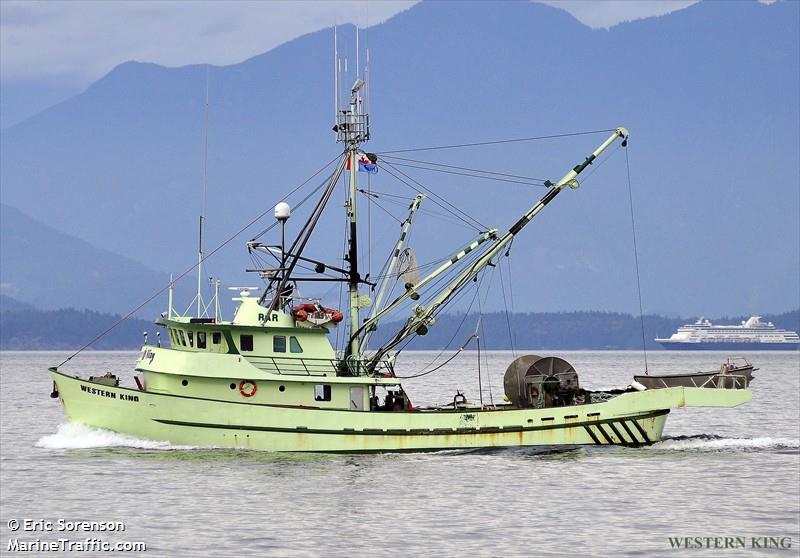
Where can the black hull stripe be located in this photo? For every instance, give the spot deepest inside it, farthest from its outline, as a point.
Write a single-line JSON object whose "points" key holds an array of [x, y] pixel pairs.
{"points": [[605, 434], [412, 432], [591, 435], [618, 435], [634, 442], [641, 430]]}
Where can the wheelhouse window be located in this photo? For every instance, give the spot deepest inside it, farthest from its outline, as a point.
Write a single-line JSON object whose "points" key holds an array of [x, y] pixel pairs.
{"points": [[246, 342], [279, 344], [322, 392], [190, 335], [216, 337], [294, 345], [183, 339], [201, 339]]}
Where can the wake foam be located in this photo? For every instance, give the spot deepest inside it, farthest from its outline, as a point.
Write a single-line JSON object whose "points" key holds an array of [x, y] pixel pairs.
{"points": [[711, 442], [79, 436]]}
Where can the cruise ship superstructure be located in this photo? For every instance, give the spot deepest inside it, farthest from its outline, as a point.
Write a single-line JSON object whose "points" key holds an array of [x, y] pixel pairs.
{"points": [[752, 334]]}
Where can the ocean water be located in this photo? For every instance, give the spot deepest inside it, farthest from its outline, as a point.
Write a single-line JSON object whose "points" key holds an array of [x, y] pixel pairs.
{"points": [[721, 477]]}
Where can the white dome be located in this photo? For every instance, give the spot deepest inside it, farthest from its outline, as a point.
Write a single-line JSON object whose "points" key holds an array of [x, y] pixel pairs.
{"points": [[282, 211]]}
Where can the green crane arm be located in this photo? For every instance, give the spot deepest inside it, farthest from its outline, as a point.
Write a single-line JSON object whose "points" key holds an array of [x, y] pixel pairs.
{"points": [[424, 316]]}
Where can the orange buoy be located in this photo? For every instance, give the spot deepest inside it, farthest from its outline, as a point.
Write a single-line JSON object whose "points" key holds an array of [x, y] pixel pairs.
{"points": [[300, 314]]}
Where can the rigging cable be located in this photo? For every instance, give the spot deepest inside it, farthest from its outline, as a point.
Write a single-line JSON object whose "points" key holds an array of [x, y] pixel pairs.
{"points": [[431, 163], [636, 257], [301, 202], [470, 175], [479, 325], [511, 296], [454, 355], [369, 225], [495, 142], [505, 306], [457, 296], [379, 206], [477, 225], [445, 363], [404, 205], [599, 163], [192, 268]]}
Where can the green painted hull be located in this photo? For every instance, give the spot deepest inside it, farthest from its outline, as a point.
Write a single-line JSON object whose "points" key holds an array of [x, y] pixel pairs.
{"points": [[630, 419]]}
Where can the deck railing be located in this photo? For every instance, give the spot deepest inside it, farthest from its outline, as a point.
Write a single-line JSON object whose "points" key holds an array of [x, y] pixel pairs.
{"points": [[315, 366]]}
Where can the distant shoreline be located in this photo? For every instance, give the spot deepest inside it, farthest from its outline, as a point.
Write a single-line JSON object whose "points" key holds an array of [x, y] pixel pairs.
{"points": [[30, 329]]}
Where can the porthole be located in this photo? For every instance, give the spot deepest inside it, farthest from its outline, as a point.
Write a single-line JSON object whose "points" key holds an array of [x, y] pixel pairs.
{"points": [[233, 386], [282, 388], [184, 382]]}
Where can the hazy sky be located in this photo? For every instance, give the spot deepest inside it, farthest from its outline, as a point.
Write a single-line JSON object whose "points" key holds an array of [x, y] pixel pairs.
{"points": [[80, 41]]}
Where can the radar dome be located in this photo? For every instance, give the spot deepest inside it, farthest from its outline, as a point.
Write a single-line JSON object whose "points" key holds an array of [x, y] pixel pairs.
{"points": [[282, 211]]}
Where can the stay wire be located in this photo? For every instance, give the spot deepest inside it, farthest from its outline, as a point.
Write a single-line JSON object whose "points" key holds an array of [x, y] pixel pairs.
{"points": [[442, 202], [494, 142], [600, 163], [379, 206], [479, 326], [431, 163], [463, 346], [369, 224], [472, 175], [636, 259], [445, 363], [471, 221], [446, 217], [302, 201], [511, 296], [190, 269], [456, 297], [505, 306]]}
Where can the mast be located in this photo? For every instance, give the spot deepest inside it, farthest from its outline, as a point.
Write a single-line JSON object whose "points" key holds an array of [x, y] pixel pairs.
{"points": [[352, 255], [352, 129], [201, 249], [169, 300]]}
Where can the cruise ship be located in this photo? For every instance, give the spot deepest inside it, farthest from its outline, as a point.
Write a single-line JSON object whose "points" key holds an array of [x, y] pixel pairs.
{"points": [[751, 335]]}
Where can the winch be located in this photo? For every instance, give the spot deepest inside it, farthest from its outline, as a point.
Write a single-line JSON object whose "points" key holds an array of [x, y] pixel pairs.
{"points": [[533, 381]]}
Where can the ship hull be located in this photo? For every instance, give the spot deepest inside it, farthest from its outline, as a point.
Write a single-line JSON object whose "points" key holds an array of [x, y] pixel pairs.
{"points": [[677, 346], [630, 419]]}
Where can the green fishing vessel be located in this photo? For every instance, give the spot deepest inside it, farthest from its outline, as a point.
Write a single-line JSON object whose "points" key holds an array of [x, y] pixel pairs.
{"points": [[270, 378]]}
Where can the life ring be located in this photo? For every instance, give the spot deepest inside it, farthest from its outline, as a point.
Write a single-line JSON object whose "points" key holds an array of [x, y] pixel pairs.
{"points": [[247, 391], [317, 314]]}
